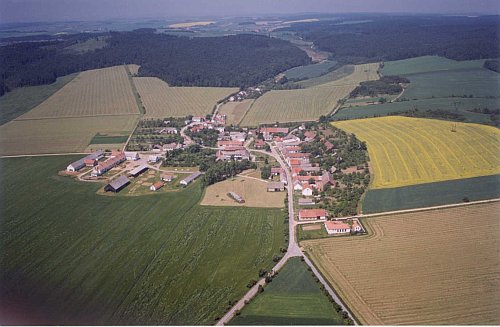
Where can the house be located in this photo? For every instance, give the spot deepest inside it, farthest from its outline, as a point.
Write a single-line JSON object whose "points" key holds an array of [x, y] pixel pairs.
{"points": [[170, 146], [156, 186], [238, 136], [153, 158], [311, 214], [305, 202], [291, 139], [131, 155], [107, 165], [275, 171], [328, 145], [138, 170], [233, 154], [198, 119], [337, 227], [169, 130], [117, 185], [236, 197], [259, 144], [309, 136], [297, 186], [275, 187], [307, 190], [79, 164], [167, 178], [190, 178]]}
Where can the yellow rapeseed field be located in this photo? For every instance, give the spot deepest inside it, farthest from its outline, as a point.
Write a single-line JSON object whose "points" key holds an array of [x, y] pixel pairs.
{"points": [[161, 100], [437, 267], [407, 151], [97, 92], [308, 103]]}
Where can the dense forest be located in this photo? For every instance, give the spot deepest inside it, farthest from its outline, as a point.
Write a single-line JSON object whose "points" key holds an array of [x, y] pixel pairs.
{"points": [[237, 60], [386, 38]]}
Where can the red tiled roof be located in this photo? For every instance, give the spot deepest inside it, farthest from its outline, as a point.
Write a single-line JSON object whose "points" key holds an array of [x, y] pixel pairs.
{"points": [[336, 224], [274, 130], [312, 213], [157, 185]]}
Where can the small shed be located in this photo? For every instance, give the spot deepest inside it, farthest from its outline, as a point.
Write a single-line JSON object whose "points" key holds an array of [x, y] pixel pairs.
{"points": [[117, 185], [305, 202], [156, 186], [167, 178], [236, 197]]}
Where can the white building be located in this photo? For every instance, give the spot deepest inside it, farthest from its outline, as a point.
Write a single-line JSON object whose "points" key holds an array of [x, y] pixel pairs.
{"points": [[131, 155]]}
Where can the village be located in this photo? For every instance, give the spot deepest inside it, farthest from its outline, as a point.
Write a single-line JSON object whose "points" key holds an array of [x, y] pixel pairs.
{"points": [[143, 172]]}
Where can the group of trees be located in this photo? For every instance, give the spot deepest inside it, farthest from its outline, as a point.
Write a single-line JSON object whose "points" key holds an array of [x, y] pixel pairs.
{"points": [[385, 85], [223, 169], [237, 60], [192, 156], [400, 37], [206, 137]]}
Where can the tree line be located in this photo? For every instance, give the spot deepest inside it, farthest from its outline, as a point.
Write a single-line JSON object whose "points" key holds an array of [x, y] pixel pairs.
{"points": [[236, 60]]}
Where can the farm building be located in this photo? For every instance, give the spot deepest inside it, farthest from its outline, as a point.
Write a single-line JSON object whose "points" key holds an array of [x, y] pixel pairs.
{"points": [[342, 226], [167, 178], [305, 202], [90, 162], [236, 197], [311, 214], [112, 162], [117, 185], [233, 154], [156, 186], [198, 119], [131, 155], [274, 130], [229, 143], [79, 164], [138, 170], [153, 158], [190, 178], [275, 187], [170, 146], [259, 144], [291, 139]]}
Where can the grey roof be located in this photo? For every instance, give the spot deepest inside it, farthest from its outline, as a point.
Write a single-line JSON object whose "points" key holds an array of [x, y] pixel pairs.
{"points": [[94, 155], [191, 177], [275, 185], [137, 170], [305, 201], [119, 182]]}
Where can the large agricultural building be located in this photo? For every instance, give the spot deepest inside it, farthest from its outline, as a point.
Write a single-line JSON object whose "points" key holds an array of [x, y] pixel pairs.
{"points": [[117, 185], [79, 164], [190, 178]]}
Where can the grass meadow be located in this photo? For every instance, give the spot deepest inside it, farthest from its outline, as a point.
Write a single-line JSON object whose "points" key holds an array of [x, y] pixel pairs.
{"points": [[161, 100], [23, 99], [292, 298], [431, 194], [310, 71], [407, 151], [428, 268], [74, 257], [235, 111]]}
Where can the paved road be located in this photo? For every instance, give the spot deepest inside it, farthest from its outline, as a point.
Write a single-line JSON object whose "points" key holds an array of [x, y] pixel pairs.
{"points": [[292, 251]]}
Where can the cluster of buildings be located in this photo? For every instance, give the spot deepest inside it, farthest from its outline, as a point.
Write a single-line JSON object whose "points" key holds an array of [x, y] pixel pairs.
{"points": [[111, 162], [335, 226], [231, 146]]}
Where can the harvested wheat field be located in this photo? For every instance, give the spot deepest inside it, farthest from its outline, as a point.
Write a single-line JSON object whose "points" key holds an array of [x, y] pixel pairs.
{"points": [[253, 191], [161, 100], [427, 268], [235, 111], [407, 151], [309, 103], [98, 92]]}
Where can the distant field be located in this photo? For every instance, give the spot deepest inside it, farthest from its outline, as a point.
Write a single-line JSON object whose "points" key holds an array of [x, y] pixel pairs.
{"points": [[428, 268], [306, 104], [427, 64], [477, 82], [88, 45], [96, 92], [23, 99], [254, 193], [162, 101], [431, 194], [75, 257], [406, 151], [108, 139], [309, 71], [293, 298], [328, 77], [63, 135], [235, 111], [462, 104], [191, 24]]}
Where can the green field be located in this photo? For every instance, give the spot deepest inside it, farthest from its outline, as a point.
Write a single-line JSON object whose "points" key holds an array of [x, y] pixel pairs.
{"points": [[71, 256], [462, 104], [292, 298], [23, 99], [329, 77], [440, 84], [304, 234], [108, 139], [427, 64], [309, 71], [431, 194]]}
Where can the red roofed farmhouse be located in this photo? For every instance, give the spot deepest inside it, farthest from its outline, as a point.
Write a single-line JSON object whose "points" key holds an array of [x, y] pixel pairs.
{"points": [[311, 214]]}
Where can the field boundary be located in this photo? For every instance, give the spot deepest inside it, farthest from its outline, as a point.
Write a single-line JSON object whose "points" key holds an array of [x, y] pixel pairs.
{"points": [[138, 100]]}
